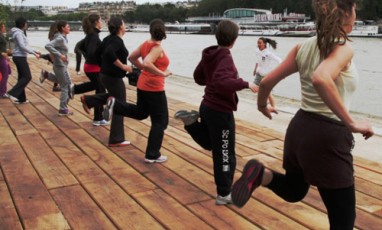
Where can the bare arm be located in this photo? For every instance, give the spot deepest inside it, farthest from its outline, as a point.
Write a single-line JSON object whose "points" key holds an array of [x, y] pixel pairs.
{"points": [[287, 67], [135, 58], [148, 62]]}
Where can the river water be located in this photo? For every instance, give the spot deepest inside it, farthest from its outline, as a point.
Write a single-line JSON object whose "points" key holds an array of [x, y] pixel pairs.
{"points": [[184, 51]]}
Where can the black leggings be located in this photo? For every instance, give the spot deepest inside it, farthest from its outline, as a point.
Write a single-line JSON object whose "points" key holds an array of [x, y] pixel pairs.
{"points": [[340, 203]]}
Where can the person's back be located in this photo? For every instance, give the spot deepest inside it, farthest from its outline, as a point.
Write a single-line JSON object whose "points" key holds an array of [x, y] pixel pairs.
{"points": [[308, 58], [216, 129]]}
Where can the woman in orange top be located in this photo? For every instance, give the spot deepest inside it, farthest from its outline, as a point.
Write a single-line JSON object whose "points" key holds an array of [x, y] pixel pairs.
{"points": [[151, 96]]}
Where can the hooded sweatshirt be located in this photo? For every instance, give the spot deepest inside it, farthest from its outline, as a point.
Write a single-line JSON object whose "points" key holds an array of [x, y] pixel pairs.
{"points": [[21, 43], [218, 73], [58, 46]]}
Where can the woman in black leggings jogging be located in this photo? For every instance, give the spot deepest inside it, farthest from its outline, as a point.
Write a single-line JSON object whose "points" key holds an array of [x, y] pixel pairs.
{"points": [[319, 140]]}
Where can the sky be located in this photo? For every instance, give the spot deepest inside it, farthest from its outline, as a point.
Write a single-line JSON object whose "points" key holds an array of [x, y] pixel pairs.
{"points": [[74, 3]]}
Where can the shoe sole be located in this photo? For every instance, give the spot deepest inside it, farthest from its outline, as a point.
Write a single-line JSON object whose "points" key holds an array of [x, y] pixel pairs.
{"points": [[184, 113], [71, 92], [154, 161], [84, 106], [42, 78], [108, 112], [63, 115], [118, 145], [243, 188]]}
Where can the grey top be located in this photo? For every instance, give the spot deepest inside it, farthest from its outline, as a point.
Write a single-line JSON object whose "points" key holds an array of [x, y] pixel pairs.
{"points": [[21, 43], [58, 46]]}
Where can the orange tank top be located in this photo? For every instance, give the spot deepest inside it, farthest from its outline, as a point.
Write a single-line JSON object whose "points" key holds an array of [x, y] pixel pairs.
{"points": [[148, 81]]}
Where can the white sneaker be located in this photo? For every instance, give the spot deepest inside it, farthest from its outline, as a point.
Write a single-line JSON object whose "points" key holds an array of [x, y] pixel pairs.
{"points": [[101, 123], [160, 159], [223, 200]]}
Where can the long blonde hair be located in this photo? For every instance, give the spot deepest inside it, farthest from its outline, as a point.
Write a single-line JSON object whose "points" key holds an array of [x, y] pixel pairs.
{"points": [[330, 18]]}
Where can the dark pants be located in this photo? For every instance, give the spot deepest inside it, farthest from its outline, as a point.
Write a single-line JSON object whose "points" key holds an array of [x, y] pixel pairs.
{"points": [[5, 71], [153, 104], [340, 203], [78, 61], [116, 88], [24, 77], [216, 132], [94, 84]]}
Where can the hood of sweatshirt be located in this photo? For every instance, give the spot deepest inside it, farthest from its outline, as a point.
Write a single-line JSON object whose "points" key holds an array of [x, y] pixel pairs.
{"points": [[213, 54], [17, 30]]}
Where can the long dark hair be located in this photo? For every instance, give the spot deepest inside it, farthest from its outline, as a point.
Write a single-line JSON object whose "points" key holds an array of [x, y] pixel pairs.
{"points": [[52, 31], [89, 22], [269, 41], [330, 18]]}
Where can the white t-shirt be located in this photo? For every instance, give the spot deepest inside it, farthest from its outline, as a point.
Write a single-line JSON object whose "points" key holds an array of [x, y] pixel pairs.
{"points": [[266, 61]]}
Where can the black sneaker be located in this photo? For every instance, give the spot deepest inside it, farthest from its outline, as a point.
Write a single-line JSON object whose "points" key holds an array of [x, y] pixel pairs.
{"points": [[188, 118], [56, 88], [250, 179], [43, 76], [108, 111], [71, 91]]}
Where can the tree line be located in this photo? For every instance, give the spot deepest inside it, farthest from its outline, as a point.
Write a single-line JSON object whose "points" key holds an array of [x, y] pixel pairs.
{"points": [[169, 12]]}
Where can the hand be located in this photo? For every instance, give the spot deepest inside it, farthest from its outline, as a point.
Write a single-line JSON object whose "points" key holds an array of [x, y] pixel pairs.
{"points": [[127, 68], [167, 73], [267, 110], [64, 58], [362, 127], [254, 87]]}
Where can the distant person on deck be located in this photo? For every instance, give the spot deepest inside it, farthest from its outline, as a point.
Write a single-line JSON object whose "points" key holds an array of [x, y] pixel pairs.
{"points": [[79, 52], [216, 129], [58, 47], [266, 61], [19, 57], [49, 57], [91, 25], [319, 142], [5, 69]]}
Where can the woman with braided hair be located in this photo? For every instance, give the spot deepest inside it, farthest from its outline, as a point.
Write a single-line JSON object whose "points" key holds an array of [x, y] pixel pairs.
{"points": [[319, 140]]}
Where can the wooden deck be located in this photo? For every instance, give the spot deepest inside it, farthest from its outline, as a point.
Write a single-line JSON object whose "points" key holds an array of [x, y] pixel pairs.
{"points": [[58, 173]]}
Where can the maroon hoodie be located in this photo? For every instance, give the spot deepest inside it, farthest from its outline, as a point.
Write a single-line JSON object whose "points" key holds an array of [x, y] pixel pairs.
{"points": [[218, 73]]}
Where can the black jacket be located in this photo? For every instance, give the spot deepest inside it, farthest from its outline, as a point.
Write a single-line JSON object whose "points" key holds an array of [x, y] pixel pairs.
{"points": [[111, 49]]}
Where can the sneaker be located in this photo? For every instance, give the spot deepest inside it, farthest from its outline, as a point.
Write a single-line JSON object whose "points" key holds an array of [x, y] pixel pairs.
{"points": [[21, 102], [4, 96], [56, 88], [100, 123], [84, 105], [188, 118], [14, 99], [121, 144], [43, 76], [108, 111], [250, 179], [71, 91], [64, 112], [78, 73], [160, 159], [223, 200]]}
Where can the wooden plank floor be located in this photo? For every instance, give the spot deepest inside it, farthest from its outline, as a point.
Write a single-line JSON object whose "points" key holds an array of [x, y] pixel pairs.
{"points": [[58, 173]]}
